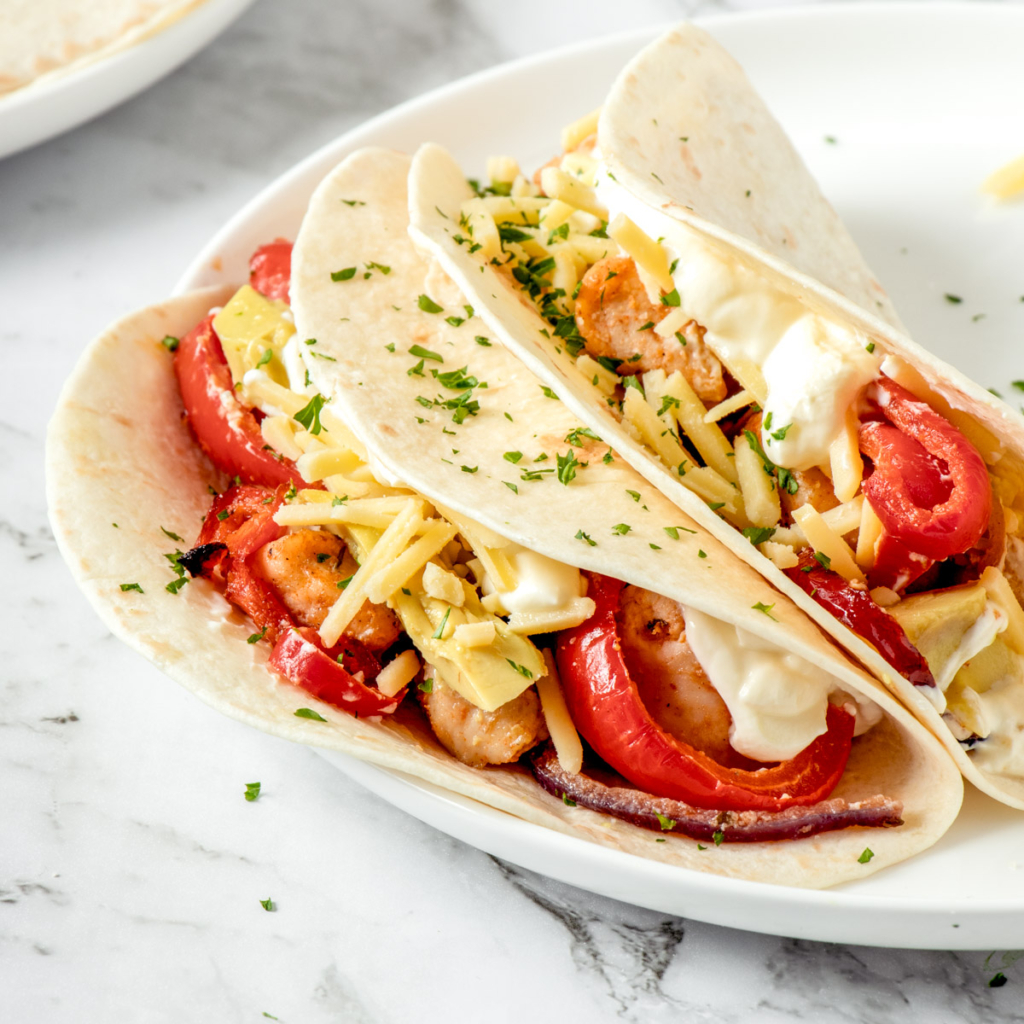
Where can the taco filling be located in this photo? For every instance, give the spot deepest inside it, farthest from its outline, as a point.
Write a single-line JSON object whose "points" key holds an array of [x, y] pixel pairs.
{"points": [[368, 593], [897, 513]]}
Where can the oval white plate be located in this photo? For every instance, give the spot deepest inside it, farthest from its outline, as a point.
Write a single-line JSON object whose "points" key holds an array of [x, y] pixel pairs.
{"points": [[922, 104], [55, 104]]}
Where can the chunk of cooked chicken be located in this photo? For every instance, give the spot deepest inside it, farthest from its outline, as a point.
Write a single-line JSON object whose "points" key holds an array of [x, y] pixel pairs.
{"points": [[479, 737], [671, 683], [612, 307], [305, 568]]}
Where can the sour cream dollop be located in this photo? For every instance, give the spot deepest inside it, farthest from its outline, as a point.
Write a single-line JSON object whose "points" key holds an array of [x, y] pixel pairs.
{"points": [[777, 699], [813, 366], [542, 584]]}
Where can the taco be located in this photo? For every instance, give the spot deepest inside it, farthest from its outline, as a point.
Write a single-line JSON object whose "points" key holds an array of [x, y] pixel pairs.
{"points": [[677, 278], [390, 559]]}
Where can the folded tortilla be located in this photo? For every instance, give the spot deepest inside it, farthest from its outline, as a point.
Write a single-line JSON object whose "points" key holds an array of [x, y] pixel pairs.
{"points": [[41, 39], [687, 137]]}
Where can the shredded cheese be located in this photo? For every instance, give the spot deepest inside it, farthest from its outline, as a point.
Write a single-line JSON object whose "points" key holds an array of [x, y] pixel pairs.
{"points": [[870, 531], [559, 185], [577, 611], [647, 254], [388, 547], [573, 134], [738, 401], [1006, 182], [398, 673], [844, 459], [475, 634], [564, 736], [781, 554], [443, 585], [389, 578], [828, 543], [760, 495]]}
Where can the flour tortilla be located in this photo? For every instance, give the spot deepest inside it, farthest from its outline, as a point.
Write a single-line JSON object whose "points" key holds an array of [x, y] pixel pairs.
{"points": [[119, 452], [787, 231], [40, 39]]}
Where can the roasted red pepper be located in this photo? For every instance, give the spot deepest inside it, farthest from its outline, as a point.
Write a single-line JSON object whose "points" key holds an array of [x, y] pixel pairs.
{"points": [[239, 523], [299, 656], [856, 610], [270, 269], [225, 429], [606, 708], [928, 485]]}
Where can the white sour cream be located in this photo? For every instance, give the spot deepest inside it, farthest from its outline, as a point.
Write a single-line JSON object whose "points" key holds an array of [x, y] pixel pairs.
{"points": [[777, 700], [813, 366], [542, 584], [814, 375], [1002, 751]]}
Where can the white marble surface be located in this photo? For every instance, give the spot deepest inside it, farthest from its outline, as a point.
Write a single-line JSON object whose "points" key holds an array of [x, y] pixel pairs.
{"points": [[131, 867]]}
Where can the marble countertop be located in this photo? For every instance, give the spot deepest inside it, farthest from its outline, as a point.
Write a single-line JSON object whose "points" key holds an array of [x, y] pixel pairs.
{"points": [[131, 867]]}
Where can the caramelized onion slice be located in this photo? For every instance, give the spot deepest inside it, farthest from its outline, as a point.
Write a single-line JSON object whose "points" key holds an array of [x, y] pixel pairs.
{"points": [[661, 814]]}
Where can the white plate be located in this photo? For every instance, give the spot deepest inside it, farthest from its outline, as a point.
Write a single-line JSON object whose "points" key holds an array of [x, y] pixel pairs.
{"points": [[62, 101], [923, 104]]}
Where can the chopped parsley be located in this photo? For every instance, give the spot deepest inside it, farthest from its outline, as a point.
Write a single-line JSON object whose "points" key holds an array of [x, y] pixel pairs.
{"points": [[268, 904], [511, 486], [343, 275], [469, 469], [170, 343], [379, 266], [621, 529], [512, 457], [252, 791], [255, 638], [521, 669], [668, 402], [573, 437], [870, 346], [953, 300], [701, 553], [481, 340], [672, 297], [268, 354], [428, 305], [654, 547], [673, 531], [765, 609], [223, 514], [309, 713], [567, 466], [438, 633], [759, 534], [390, 346], [427, 686], [666, 823], [823, 560], [646, 327], [424, 353], [865, 856], [635, 495], [998, 980], [568, 800], [131, 586], [415, 371], [350, 202], [309, 415], [175, 585], [455, 321], [586, 538], [548, 393], [343, 584], [718, 837], [168, 533]]}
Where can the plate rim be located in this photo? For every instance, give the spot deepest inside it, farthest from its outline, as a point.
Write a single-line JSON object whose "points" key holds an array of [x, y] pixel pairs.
{"points": [[200, 272]]}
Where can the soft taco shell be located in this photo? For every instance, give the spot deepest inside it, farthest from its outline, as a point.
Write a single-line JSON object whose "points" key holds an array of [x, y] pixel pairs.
{"points": [[685, 85]]}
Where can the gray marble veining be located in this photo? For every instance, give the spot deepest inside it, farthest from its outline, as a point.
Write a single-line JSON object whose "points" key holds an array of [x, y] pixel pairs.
{"points": [[131, 868]]}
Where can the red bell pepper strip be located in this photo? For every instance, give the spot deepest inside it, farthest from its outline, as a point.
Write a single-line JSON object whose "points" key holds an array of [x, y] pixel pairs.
{"points": [[856, 610], [270, 269], [928, 485], [300, 658], [225, 429], [606, 708]]}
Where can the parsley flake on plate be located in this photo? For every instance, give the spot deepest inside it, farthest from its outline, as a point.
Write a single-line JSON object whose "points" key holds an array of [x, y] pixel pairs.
{"points": [[309, 713], [343, 275], [428, 305], [252, 791]]}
